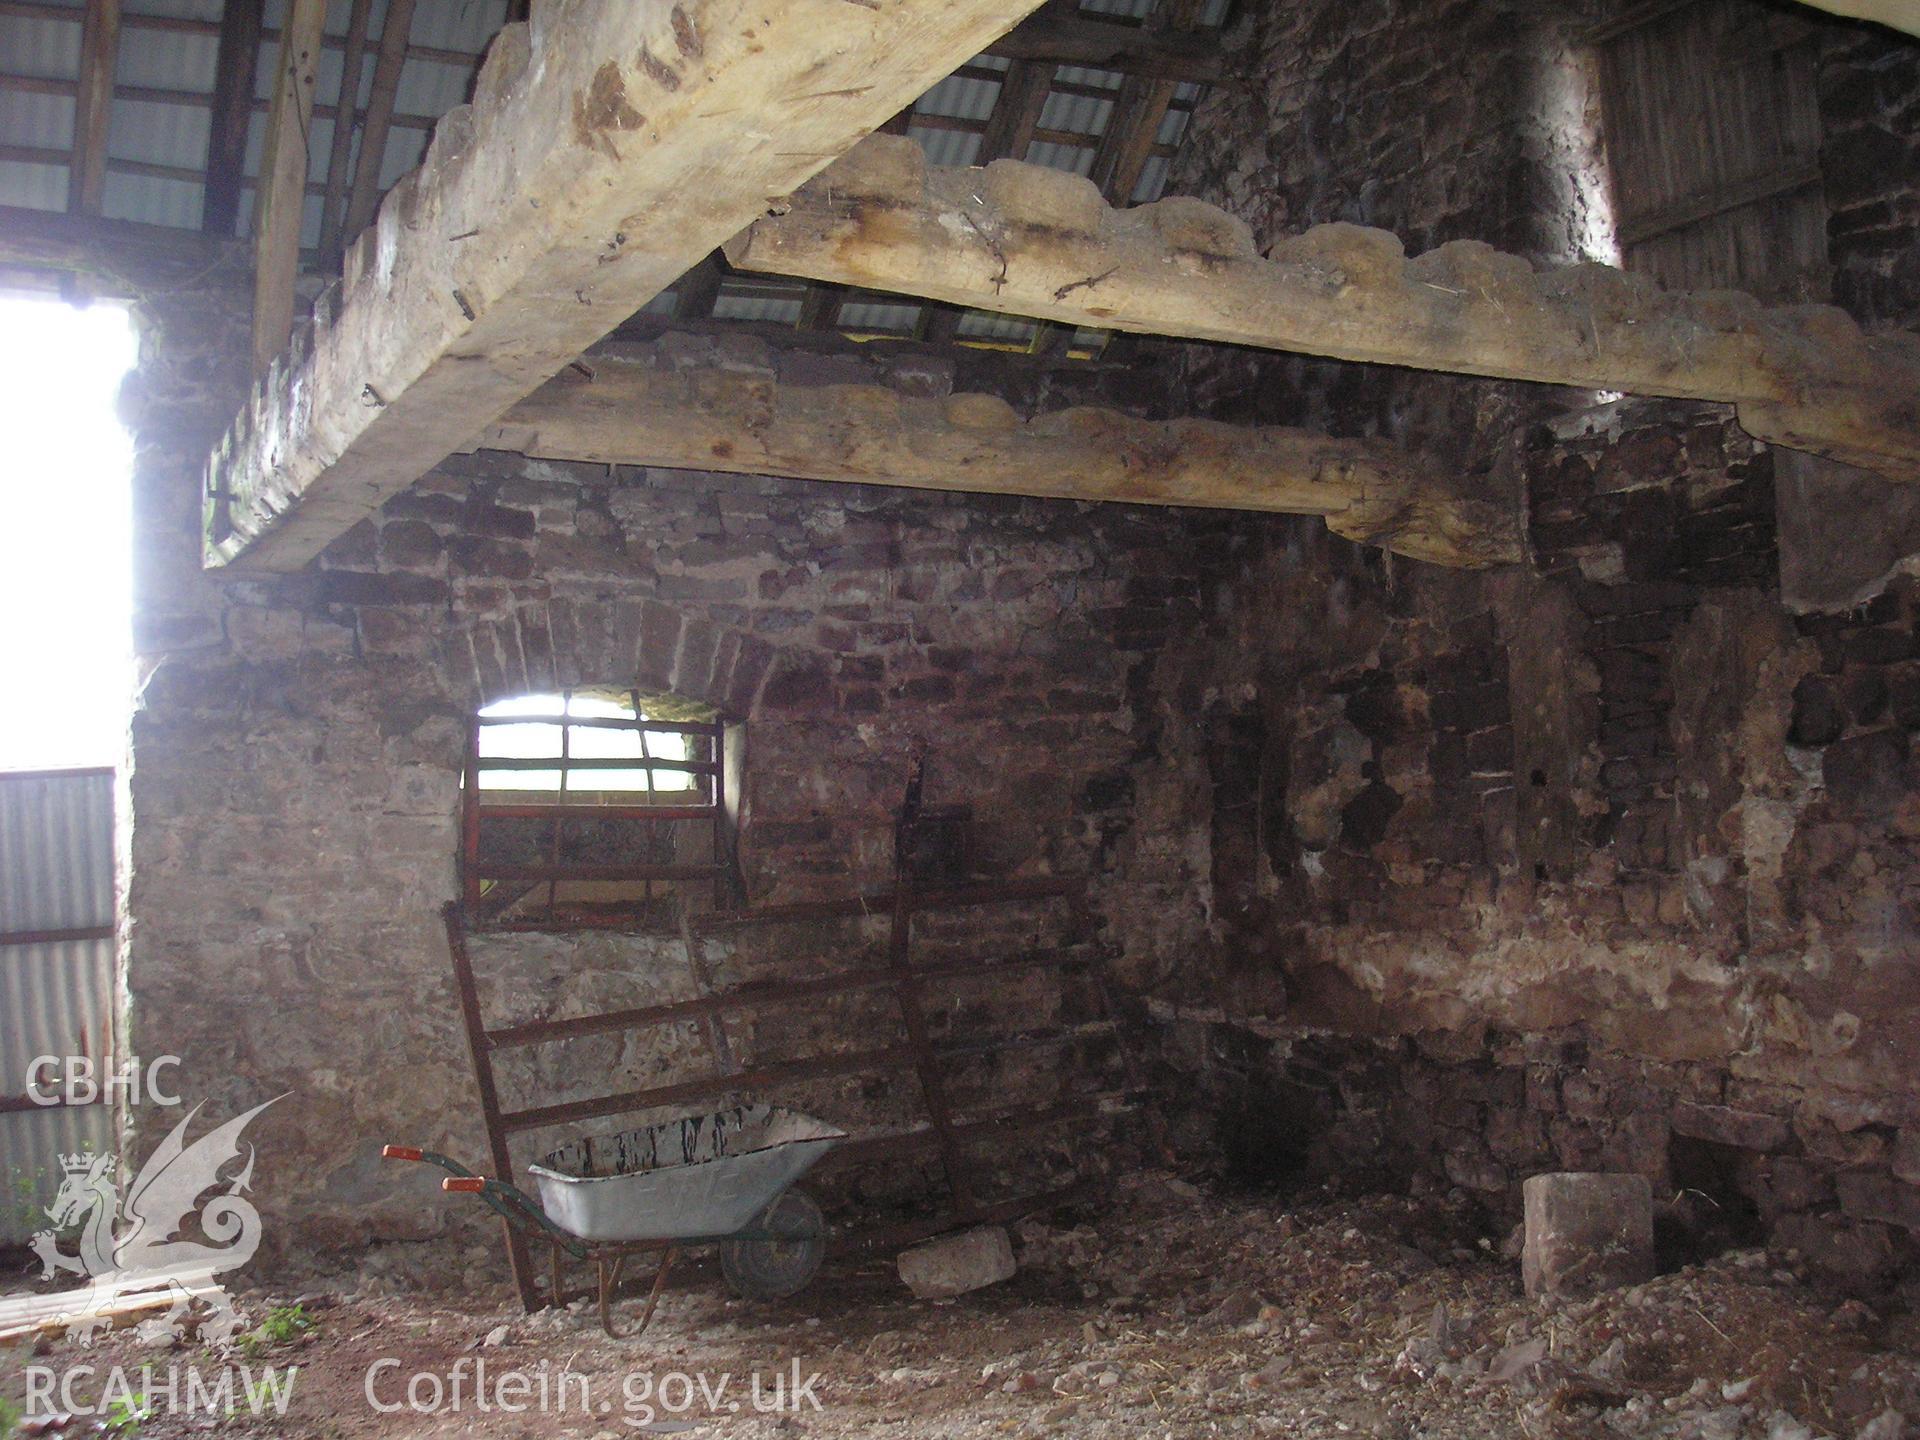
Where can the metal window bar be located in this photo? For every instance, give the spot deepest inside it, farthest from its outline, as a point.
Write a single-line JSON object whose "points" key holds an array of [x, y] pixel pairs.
{"points": [[560, 819], [634, 697], [573, 802]]}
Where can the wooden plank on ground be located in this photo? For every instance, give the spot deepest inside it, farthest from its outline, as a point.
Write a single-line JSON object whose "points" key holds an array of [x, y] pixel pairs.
{"points": [[609, 146], [641, 408], [1028, 241]]}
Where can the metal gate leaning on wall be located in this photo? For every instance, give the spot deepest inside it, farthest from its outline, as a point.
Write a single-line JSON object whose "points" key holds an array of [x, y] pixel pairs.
{"points": [[56, 973]]}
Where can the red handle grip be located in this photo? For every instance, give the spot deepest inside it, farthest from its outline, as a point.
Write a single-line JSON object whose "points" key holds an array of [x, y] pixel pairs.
{"points": [[399, 1152], [463, 1185]]}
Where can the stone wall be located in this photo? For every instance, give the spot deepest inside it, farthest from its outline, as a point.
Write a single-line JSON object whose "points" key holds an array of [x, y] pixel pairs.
{"points": [[1870, 160], [1600, 862], [1576, 867], [297, 750]]}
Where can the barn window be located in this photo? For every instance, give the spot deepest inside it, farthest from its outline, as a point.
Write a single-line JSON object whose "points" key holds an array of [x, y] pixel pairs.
{"points": [[597, 802], [1712, 133], [585, 734]]}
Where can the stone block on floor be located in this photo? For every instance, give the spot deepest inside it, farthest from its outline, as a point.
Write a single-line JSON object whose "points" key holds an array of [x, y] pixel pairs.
{"points": [[955, 1264], [1585, 1233]]}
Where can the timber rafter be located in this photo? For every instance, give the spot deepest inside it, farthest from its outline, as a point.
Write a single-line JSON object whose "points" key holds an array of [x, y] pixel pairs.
{"points": [[635, 408], [1027, 241], [610, 145]]}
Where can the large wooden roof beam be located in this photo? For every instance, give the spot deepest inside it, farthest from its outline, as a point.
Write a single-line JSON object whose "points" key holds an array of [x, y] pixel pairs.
{"points": [[1024, 240], [642, 410], [1896, 14], [1108, 45], [609, 146]]}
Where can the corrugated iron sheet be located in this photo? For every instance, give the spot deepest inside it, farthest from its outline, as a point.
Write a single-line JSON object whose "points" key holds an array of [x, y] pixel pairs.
{"points": [[56, 873], [174, 136], [184, 9], [56, 850], [987, 325], [962, 97], [1075, 159], [879, 316], [34, 187], [947, 147], [737, 302], [1076, 114], [1080, 75]]}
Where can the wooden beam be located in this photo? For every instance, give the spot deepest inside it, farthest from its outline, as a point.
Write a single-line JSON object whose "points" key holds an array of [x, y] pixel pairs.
{"points": [[636, 409], [49, 242], [1732, 195], [340, 152], [695, 291], [820, 307], [1896, 14], [387, 65], [234, 65], [1010, 126], [1027, 241], [93, 107], [608, 148], [281, 202], [1110, 45], [1133, 129]]}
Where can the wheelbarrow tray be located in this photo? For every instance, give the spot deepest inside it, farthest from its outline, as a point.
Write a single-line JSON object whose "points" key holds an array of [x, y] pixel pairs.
{"points": [[702, 1177]]}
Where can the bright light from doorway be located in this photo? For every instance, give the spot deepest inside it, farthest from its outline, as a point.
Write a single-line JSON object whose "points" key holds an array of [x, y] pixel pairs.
{"points": [[65, 535]]}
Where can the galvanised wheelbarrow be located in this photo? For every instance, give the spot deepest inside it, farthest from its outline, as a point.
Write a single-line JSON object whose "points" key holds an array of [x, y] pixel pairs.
{"points": [[721, 1179]]}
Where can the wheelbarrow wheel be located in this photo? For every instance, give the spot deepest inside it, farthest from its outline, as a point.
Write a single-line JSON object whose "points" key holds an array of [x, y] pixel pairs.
{"points": [[775, 1269]]}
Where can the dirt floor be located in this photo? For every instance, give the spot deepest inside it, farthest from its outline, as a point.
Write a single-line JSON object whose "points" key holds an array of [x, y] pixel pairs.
{"points": [[1171, 1313]]}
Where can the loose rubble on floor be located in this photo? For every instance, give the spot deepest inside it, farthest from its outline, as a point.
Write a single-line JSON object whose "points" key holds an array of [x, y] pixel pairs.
{"points": [[1172, 1312]]}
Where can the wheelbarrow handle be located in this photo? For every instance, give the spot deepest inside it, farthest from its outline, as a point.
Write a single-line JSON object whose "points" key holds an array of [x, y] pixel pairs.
{"points": [[509, 1202]]}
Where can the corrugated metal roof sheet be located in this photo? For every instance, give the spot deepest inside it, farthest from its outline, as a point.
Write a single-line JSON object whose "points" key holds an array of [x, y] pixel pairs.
{"points": [[1078, 114], [985, 325], [37, 120], [49, 47], [947, 147], [191, 9], [735, 304], [961, 97], [33, 187], [157, 150], [56, 873], [890, 317], [1153, 179], [1077, 159]]}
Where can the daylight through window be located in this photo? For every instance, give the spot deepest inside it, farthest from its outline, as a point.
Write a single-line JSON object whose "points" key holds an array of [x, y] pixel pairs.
{"points": [[586, 734]]}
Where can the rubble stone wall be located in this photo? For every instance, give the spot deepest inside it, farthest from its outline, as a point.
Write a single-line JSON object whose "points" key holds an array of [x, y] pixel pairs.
{"points": [[1602, 861], [297, 750]]}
